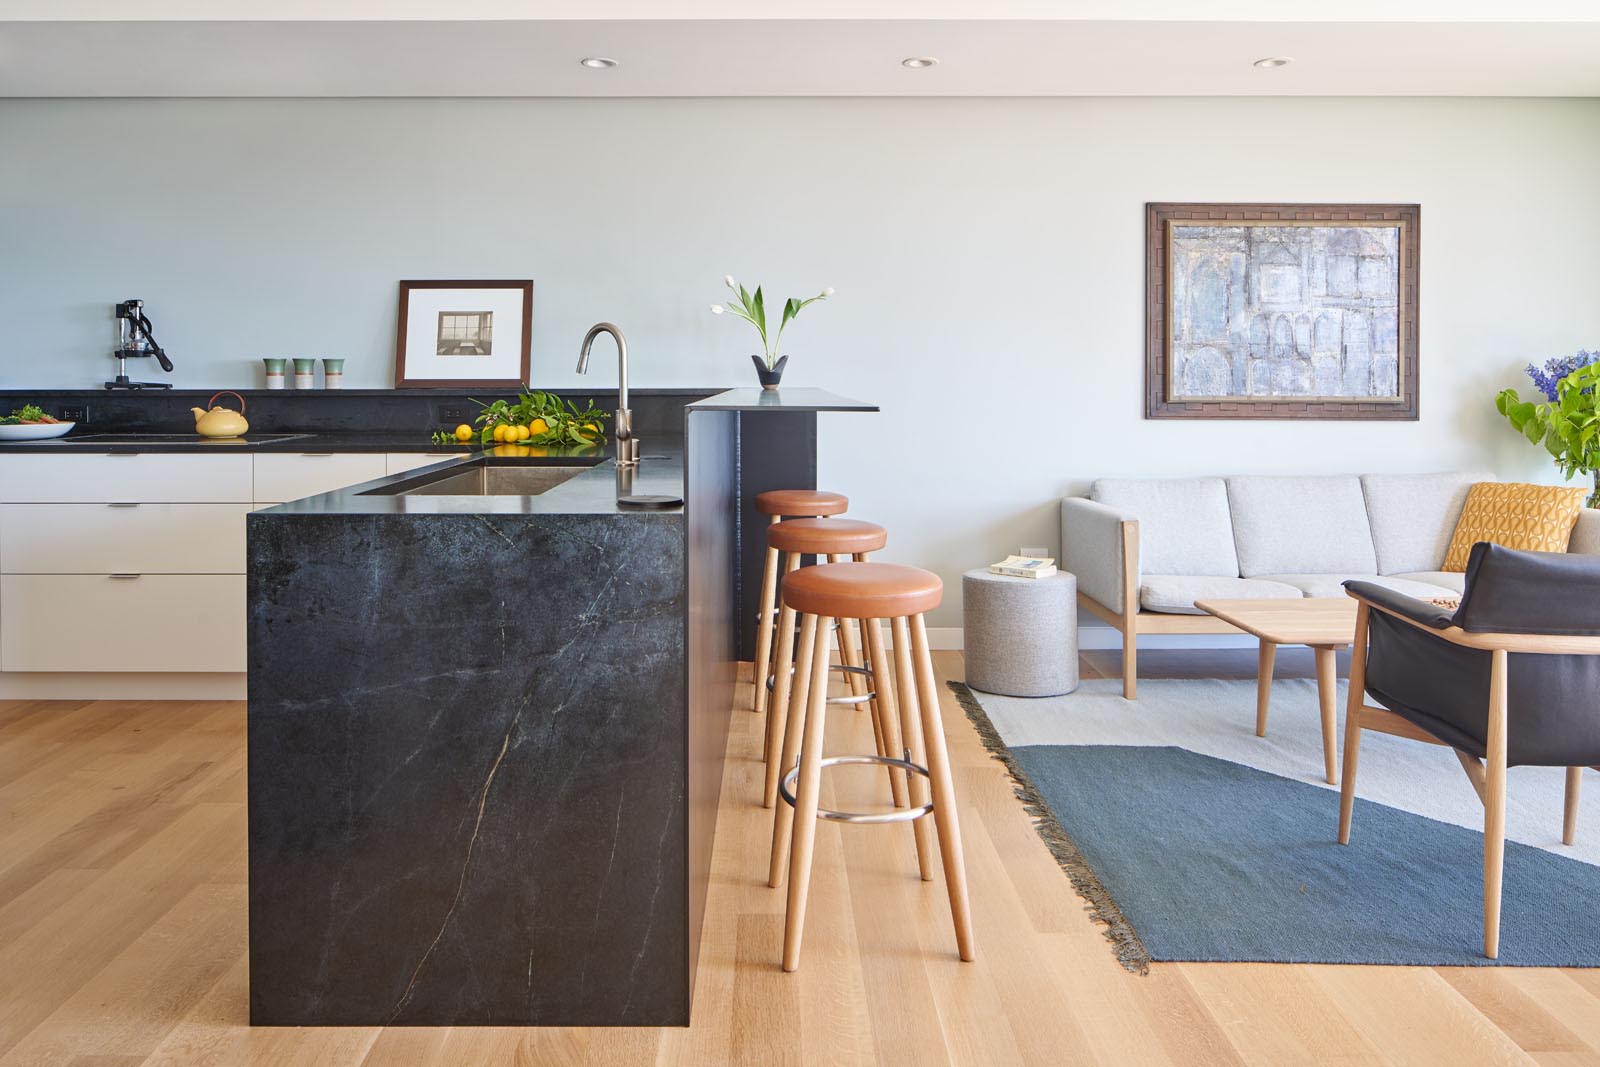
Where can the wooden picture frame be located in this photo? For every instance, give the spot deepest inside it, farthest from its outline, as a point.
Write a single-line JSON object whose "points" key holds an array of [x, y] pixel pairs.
{"points": [[463, 320], [1165, 397]]}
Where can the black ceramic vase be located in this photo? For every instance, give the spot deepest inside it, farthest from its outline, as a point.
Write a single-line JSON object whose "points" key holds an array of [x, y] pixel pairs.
{"points": [[769, 378]]}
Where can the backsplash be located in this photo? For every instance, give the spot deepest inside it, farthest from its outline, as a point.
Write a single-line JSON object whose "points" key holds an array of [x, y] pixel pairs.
{"points": [[655, 411]]}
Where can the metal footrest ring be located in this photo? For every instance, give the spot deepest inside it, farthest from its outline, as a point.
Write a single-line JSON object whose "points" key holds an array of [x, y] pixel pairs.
{"points": [[842, 668], [786, 791]]}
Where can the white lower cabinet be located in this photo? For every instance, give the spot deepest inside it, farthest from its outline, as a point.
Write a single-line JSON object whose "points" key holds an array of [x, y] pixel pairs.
{"points": [[400, 462], [122, 538], [116, 622], [127, 563]]}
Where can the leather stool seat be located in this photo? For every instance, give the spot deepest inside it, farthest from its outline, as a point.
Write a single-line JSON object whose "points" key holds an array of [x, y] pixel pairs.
{"points": [[806, 502], [862, 590], [825, 537]]}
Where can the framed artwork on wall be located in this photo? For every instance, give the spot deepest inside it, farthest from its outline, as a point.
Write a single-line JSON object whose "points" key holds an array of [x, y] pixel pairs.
{"points": [[1281, 311], [463, 334]]}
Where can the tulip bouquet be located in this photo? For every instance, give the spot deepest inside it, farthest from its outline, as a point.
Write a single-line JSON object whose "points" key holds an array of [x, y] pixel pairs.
{"points": [[753, 309]]}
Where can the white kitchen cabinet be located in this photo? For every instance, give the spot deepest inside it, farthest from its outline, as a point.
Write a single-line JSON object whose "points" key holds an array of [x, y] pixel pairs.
{"points": [[400, 462], [132, 538], [110, 622], [292, 475], [144, 477]]}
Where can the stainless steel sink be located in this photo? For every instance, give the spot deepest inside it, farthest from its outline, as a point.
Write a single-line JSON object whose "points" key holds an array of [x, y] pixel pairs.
{"points": [[487, 479]]}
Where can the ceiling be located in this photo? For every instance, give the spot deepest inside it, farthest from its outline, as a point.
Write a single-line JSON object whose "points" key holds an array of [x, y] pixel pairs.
{"points": [[111, 48]]}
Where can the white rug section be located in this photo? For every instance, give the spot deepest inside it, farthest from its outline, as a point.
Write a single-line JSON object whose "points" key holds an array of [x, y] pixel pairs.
{"points": [[1217, 718]]}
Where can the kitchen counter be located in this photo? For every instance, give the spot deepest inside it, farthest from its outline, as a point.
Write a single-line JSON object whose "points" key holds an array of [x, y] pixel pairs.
{"points": [[89, 442], [486, 733]]}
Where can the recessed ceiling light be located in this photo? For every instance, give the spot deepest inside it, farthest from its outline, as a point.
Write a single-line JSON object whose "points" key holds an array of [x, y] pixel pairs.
{"points": [[919, 62], [597, 62], [1273, 62]]}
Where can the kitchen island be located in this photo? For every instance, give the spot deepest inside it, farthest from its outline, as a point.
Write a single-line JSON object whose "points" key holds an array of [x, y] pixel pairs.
{"points": [[487, 721]]}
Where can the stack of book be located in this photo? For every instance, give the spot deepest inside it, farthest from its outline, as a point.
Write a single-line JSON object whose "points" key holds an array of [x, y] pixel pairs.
{"points": [[1024, 567]]}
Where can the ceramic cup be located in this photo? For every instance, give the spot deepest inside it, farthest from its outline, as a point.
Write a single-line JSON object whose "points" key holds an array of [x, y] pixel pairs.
{"points": [[274, 371], [333, 374], [305, 373]]}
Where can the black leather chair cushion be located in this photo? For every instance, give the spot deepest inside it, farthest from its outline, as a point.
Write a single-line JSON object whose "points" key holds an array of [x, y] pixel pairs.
{"points": [[1553, 717]]}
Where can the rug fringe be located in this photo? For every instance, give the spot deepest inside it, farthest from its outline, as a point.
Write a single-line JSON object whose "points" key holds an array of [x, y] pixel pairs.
{"points": [[1130, 951]]}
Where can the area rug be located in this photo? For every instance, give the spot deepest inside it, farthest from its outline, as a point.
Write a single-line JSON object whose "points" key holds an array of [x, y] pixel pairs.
{"points": [[1192, 839]]}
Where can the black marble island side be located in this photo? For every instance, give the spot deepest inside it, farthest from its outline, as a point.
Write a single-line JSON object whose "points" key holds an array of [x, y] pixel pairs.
{"points": [[486, 736]]}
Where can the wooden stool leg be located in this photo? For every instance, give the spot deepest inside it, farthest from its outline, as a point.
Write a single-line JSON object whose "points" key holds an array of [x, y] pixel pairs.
{"points": [[807, 788], [769, 600], [891, 730], [947, 822], [778, 707], [911, 729], [799, 698]]}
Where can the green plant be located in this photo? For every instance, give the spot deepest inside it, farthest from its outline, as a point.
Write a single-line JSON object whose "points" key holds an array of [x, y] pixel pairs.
{"points": [[551, 420], [753, 309], [1568, 426]]}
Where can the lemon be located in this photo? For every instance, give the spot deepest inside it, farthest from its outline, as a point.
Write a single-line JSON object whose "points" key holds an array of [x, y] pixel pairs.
{"points": [[463, 433], [538, 426], [592, 429], [500, 431], [523, 433]]}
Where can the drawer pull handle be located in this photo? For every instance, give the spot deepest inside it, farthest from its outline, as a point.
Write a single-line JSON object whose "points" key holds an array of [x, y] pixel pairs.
{"points": [[125, 577], [120, 505], [319, 454]]}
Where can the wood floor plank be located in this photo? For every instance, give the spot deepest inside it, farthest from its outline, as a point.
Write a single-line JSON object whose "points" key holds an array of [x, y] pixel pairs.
{"points": [[122, 866]]}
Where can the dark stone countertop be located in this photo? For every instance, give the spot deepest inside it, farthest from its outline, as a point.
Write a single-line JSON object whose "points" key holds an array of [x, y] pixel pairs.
{"points": [[77, 443], [594, 492], [794, 399]]}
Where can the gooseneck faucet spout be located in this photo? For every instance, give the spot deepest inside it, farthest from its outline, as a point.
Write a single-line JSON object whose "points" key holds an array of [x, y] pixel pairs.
{"points": [[627, 445]]}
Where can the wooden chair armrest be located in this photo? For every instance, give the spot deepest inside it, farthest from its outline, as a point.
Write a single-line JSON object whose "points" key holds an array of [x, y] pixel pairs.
{"points": [[1541, 644]]}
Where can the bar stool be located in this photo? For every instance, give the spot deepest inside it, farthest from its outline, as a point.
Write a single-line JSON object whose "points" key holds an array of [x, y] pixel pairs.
{"points": [[780, 504], [830, 539], [868, 592]]}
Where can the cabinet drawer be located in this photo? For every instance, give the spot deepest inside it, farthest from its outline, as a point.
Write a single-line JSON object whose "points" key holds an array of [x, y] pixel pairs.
{"points": [[400, 462], [302, 474], [136, 538], [134, 477], [97, 622]]}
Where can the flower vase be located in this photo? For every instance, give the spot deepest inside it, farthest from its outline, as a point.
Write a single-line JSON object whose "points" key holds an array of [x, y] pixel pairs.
{"points": [[770, 376]]}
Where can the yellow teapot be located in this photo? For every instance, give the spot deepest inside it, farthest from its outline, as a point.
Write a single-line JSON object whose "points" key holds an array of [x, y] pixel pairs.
{"points": [[221, 421]]}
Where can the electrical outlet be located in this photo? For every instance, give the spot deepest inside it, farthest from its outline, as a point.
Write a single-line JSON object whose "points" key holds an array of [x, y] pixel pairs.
{"points": [[74, 413], [453, 415]]}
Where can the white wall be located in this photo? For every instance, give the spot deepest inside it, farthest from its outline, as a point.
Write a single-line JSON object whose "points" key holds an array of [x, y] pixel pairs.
{"points": [[987, 256]]}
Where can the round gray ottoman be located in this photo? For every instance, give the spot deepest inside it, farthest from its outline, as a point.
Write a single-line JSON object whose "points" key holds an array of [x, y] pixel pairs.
{"points": [[1021, 633]]}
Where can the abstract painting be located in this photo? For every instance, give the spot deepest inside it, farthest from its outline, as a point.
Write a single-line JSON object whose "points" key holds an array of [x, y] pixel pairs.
{"points": [[1281, 311]]}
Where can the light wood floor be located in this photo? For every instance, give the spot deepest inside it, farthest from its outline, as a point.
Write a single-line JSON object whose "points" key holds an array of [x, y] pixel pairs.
{"points": [[122, 935]]}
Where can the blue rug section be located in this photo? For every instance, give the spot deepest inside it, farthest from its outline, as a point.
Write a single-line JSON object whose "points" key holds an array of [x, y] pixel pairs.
{"points": [[1211, 860]]}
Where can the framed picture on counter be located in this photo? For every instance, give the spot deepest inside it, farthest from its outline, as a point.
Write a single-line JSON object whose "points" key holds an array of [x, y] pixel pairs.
{"points": [[463, 334]]}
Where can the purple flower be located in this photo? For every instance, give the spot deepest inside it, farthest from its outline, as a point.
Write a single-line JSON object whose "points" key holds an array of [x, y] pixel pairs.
{"points": [[1547, 380]]}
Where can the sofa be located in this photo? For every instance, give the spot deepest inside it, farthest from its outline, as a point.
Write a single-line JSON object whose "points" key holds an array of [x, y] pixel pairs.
{"points": [[1144, 550]]}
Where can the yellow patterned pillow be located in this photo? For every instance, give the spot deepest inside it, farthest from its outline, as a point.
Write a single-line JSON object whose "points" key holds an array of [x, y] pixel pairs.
{"points": [[1533, 518]]}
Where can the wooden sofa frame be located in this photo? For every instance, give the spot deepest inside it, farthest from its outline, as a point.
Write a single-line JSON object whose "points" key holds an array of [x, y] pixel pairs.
{"points": [[1133, 620]]}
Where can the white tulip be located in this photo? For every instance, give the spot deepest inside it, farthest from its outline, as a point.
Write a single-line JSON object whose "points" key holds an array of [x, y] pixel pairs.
{"points": [[727, 279], [825, 293], [716, 309]]}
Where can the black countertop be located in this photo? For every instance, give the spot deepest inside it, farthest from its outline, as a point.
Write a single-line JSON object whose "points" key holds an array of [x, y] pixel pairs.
{"points": [[594, 492], [190, 443], [779, 400]]}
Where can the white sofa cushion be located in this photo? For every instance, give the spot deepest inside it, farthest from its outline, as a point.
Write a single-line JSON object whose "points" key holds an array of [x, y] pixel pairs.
{"points": [[1300, 525], [1176, 595], [1184, 526], [1455, 581], [1333, 584], [1586, 533], [1413, 515]]}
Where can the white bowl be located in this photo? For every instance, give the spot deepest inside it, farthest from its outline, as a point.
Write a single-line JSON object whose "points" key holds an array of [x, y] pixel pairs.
{"points": [[35, 431]]}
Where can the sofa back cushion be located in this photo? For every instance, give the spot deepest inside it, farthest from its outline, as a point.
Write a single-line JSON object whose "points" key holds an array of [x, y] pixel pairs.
{"points": [[1301, 525], [1413, 516], [1184, 527]]}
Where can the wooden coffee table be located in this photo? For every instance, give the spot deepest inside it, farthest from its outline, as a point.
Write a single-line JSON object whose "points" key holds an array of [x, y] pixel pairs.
{"points": [[1327, 624]]}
